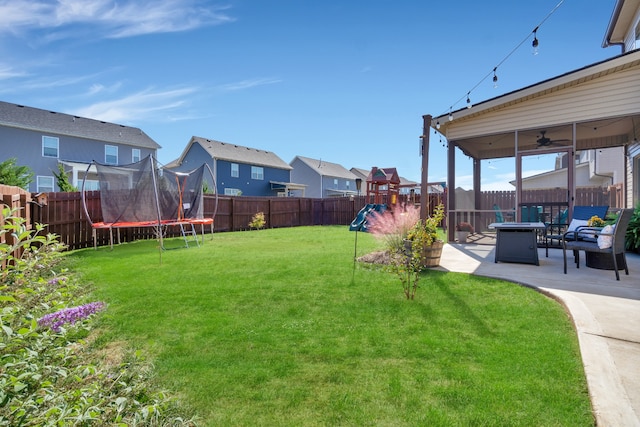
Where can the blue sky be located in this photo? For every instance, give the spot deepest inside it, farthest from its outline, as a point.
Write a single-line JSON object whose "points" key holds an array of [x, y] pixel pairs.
{"points": [[345, 81]]}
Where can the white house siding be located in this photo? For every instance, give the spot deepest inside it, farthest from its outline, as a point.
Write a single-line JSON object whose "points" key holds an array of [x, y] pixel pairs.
{"points": [[630, 38], [614, 94], [633, 175], [608, 161]]}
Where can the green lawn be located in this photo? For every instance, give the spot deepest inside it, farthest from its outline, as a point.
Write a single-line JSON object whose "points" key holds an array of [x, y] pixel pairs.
{"points": [[275, 327]]}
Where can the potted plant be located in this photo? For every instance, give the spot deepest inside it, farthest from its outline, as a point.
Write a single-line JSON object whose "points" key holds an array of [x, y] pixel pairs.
{"points": [[463, 229], [424, 236]]}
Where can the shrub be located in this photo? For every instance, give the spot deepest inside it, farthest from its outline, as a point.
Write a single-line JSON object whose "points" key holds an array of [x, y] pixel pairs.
{"points": [[257, 221], [50, 373], [405, 236], [632, 236]]}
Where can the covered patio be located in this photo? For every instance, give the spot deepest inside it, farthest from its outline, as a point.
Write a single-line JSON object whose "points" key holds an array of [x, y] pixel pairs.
{"points": [[591, 108]]}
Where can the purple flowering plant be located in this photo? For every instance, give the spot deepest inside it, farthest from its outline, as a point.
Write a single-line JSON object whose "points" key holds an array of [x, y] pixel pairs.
{"points": [[70, 315]]}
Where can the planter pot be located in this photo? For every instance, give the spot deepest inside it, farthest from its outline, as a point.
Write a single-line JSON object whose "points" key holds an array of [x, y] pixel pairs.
{"points": [[431, 254], [462, 236]]}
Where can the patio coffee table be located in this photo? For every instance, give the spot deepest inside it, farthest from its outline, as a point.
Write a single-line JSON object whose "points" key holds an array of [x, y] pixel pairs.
{"points": [[517, 241]]}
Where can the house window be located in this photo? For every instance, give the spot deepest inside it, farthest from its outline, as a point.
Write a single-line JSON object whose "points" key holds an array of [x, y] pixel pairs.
{"points": [[45, 184], [335, 182], [235, 170], [135, 155], [50, 146], [91, 185], [111, 154], [232, 192], [636, 45], [347, 183], [257, 172]]}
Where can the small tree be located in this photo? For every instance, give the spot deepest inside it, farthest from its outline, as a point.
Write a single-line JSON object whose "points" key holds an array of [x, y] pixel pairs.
{"points": [[63, 180], [258, 221], [12, 174]]}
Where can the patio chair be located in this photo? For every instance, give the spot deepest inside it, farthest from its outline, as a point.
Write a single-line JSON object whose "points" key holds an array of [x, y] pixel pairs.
{"points": [[607, 242], [559, 226], [500, 217]]}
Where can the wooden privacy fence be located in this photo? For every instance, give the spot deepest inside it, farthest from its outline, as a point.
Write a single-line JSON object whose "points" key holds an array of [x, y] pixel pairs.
{"points": [[551, 200], [18, 200], [63, 213]]}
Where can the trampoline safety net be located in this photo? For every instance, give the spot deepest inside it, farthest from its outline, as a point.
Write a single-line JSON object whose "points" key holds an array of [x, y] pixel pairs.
{"points": [[140, 192]]}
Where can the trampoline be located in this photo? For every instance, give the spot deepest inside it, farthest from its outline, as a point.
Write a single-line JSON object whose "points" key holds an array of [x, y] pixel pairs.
{"points": [[141, 194]]}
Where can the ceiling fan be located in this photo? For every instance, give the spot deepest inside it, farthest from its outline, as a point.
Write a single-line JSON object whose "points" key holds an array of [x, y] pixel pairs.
{"points": [[543, 141]]}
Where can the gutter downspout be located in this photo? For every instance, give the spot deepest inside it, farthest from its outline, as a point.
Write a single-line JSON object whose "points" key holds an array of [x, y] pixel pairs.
{"points": [[614, 18]]}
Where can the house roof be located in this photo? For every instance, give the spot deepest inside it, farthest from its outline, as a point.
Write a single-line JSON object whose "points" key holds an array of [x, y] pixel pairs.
{"points": [[360, 173], [35, 119], [325, 168], [237, 153]]}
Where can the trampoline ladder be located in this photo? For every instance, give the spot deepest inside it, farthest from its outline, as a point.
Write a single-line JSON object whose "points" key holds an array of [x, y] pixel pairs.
{"points": [[191, 232]]}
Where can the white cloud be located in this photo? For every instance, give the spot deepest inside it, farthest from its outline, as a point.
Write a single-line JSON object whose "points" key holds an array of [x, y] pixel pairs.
{"points": [[109, 18], [247, 84], [97, 88], [136, 107], [7, 72]]}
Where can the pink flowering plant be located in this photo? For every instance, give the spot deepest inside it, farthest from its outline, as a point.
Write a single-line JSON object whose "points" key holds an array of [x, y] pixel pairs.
{"points": [[393, 226], [405, 236]]}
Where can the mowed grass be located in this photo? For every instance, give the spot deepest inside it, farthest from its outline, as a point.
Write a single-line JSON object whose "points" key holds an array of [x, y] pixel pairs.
{"points": [[276, 327]]}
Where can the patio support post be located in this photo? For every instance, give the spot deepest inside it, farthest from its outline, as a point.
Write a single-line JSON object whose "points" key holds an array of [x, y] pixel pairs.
{"points": [[424, 188], [476, 191], [451, 193]]}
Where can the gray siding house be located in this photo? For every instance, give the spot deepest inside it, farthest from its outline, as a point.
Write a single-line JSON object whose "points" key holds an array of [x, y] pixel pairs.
{"points": [[323, 179], [41, 139], [239, 170]]}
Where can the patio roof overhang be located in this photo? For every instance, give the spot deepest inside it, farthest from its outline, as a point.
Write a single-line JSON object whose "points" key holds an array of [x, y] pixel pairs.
{"points": [[600, 100]]}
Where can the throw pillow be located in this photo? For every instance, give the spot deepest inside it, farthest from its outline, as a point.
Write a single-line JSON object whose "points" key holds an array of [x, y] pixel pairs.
{"points": [[605, 242], [575, 223]]}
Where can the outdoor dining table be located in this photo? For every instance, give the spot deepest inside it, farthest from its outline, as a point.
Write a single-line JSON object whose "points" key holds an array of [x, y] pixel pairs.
{"points": [[517, 241]]}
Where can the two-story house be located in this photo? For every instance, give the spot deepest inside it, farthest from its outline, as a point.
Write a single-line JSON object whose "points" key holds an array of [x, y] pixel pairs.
{"points": [[593, 168], [42, 139], [322, 178], [239, 170]]}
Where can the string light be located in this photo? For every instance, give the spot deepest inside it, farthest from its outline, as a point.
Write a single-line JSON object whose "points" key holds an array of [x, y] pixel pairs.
{"points": [[534, 44], [438, 124]]}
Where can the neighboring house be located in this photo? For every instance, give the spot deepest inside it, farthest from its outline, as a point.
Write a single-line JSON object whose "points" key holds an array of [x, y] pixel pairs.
{"points": [[238, 170], [41, 139], [322, 178], [407, 187], [591, 108], [594, 168], [361, 174]]}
